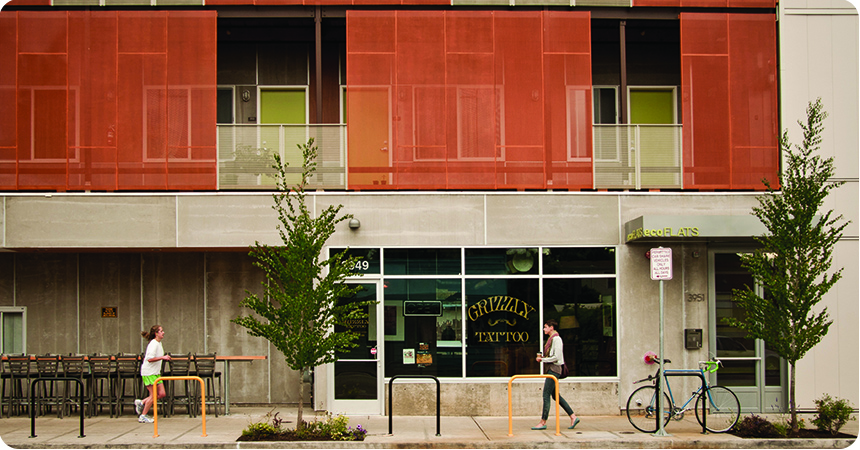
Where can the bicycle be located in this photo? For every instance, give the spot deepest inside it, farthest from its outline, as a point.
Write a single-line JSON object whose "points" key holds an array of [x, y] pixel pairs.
{"points": [[723, 413]]}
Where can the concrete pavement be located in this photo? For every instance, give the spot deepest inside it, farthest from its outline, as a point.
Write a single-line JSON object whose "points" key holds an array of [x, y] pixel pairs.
{"points": [[408, 432]]}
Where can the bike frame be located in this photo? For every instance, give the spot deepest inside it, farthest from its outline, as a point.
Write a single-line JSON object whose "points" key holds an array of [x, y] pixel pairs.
{"points": [[710, 366], [695, 393]]}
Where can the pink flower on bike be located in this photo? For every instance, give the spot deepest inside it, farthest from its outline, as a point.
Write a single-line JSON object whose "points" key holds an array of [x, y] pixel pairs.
{"points": [[650, 357]]}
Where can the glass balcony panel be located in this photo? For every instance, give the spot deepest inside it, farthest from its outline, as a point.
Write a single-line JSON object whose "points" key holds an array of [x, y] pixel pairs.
{"points": [[246, 155], [637, 157]]}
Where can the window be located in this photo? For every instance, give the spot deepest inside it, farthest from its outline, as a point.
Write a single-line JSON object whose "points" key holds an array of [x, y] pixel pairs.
{"points": [[479, 312], [652, 105], [225, 105], [13, 326], [605, 105]]}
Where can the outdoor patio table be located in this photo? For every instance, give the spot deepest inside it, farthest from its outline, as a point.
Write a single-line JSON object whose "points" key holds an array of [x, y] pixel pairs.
{"points": [[227, 360]]}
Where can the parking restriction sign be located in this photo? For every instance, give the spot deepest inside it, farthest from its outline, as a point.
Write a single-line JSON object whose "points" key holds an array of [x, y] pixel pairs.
{"points": [[661, 263]]}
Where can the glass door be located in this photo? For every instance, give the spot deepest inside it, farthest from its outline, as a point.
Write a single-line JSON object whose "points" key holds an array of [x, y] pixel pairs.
{"points": [[357, 385], [754, 372]]}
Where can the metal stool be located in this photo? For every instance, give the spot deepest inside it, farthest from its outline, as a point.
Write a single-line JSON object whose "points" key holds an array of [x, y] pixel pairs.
{"points": [[19, 383], [101, 377], [47, 392], [127, 371], [75, 366], [205, 369], [180, 366]]}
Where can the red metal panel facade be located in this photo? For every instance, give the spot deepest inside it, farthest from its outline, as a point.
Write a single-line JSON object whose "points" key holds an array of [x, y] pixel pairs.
{"points": [[708, 3], [729, 90], [104, 100], [468, 99]]}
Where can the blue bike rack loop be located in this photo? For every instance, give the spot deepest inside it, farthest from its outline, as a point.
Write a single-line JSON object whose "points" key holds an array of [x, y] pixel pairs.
{"points": [[438, 397]]}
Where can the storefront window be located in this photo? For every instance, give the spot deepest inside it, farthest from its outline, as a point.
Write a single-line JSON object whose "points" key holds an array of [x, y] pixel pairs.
{"points": [[423, 330], [422, 261], [501, 261], [585, 311], [502, 327], [576, 261], [488, 320], [369, 262]]}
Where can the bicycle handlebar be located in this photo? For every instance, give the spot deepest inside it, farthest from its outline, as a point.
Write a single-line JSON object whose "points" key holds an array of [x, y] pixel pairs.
{"points": [[711, 366]]}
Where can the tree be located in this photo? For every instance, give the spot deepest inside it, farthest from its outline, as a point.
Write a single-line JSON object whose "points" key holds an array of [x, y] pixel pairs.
{"points": [[794, 261], [300, 304]]}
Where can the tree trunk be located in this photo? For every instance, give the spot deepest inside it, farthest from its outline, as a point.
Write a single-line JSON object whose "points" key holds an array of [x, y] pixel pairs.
{"points": [[792, 402], [299, 423]]}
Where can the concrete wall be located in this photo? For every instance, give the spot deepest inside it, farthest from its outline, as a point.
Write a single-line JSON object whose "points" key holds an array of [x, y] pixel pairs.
{"points": [[819, 43], [194, 292]]}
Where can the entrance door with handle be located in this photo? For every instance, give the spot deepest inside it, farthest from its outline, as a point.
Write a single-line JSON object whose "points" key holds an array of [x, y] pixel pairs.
{"points": [[357, 385]]}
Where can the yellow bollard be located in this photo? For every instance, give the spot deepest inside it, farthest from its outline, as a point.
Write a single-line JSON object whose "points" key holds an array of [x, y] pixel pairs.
{"points": [[202, 401], [510, 402]]}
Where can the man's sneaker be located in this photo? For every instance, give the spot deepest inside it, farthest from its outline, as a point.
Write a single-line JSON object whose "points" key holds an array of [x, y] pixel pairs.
{"points": [[145, 419], [138, 406]]}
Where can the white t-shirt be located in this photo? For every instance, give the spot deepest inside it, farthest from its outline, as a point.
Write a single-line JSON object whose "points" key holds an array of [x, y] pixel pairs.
{"points": [[153, 350]]}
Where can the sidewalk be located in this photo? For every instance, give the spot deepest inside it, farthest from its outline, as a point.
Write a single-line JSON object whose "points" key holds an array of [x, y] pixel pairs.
{"points": [[408, 432]]}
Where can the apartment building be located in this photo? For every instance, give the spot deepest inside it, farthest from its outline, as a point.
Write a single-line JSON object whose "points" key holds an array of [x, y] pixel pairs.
{"points": [[507, 162]]}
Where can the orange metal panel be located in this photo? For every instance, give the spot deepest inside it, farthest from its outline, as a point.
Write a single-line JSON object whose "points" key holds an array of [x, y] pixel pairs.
{"points": [[755, 124], [729, 100], [464, 97], [8, 104]]}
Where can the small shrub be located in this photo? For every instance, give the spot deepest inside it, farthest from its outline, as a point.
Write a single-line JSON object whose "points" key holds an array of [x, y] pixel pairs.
{"points": [[832, 413], [754, 426], [260, 431], [328, 429]]}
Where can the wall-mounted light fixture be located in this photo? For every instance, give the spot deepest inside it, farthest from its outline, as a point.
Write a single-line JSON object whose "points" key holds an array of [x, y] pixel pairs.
{"points": [[246, 95], [354, 224]]}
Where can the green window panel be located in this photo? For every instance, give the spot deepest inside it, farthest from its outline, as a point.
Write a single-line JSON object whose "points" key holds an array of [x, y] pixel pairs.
{"points": [[283, 106]]}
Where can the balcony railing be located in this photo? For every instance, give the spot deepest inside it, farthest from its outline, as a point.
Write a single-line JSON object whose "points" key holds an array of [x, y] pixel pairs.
{"points": [[625, 156], [245, 155], [638, 157]]}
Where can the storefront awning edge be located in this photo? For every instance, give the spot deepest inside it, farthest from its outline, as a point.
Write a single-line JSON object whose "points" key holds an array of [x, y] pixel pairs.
{"points": [[659, 228]]}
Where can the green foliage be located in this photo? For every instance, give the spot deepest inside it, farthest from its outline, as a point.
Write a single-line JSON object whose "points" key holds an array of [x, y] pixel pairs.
{"points": [[796, 254], [832, 413], [261, 430], [299, 308], [329, 429], [754, 426]]}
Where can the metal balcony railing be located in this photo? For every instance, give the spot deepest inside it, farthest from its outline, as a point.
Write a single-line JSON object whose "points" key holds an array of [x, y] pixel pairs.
{"points": [[245, 155], [638, 157]]}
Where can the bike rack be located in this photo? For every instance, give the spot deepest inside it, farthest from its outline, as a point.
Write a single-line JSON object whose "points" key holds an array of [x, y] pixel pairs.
{"points": [[688, 373], [510, 401], [33, 401], [438, 400], [202, 400]]}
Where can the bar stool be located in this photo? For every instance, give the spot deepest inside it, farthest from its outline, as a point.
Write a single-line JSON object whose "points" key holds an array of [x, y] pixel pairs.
{"points": [[180, 366], [101, 378], [19, 383], [47, 392], [4, 380], [75, 366], [127, 371], [205, 368]]}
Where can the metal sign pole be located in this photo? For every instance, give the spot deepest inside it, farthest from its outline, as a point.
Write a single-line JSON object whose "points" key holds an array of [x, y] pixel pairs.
{"points": [[661, 269], [662, 382]]}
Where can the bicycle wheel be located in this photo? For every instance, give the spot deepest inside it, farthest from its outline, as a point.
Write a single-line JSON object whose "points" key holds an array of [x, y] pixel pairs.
{"points": [[723, 409], [642, 409]]}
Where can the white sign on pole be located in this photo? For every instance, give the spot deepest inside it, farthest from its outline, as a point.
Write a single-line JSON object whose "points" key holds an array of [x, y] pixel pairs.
{"points": [[661, 263]]}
